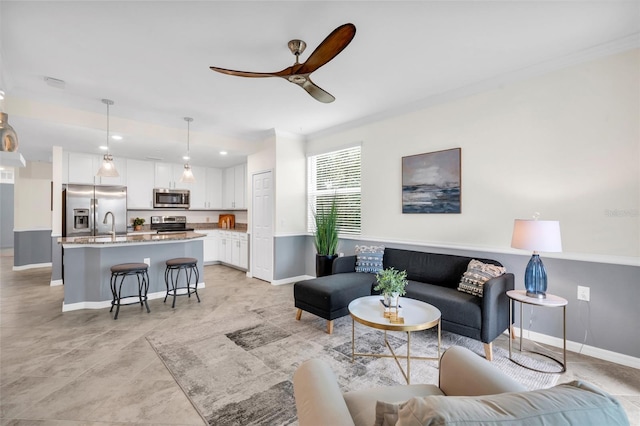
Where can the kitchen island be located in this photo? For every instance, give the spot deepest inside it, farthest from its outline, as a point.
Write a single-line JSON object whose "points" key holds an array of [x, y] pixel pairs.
{"points": [[87, 263]]}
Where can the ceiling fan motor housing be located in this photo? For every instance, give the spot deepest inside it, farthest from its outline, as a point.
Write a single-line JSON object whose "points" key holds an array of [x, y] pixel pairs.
{"points": [[297, 47]]}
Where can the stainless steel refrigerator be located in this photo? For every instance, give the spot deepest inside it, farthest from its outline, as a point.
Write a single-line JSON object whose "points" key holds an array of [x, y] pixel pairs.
{"points": [[87, 207]]}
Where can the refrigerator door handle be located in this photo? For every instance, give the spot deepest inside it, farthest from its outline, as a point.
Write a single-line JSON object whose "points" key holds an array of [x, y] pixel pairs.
{"points": [[92, 217]]}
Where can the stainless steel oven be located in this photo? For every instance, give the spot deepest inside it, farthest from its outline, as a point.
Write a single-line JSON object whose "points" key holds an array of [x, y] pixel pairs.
{"points": [[171, 198]]}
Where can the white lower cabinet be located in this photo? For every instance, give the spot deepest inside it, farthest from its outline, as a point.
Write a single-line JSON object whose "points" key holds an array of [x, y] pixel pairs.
{"points": [[210, 246], [233, 249]]}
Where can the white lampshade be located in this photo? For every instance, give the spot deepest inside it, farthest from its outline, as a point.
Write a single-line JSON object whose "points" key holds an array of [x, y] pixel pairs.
{"points": [[536, 235], [187, 175], [107, 168]]}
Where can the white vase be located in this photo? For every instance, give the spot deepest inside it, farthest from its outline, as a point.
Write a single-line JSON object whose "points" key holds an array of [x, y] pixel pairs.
{"points": [[394, 299], [387, 299]]}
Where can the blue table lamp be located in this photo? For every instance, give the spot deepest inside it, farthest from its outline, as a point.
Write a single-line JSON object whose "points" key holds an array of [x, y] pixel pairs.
{"points": [[536, 235]]}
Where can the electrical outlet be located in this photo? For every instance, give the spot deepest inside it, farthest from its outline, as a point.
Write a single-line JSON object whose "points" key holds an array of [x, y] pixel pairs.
{"points": [[583, 293], [147, 260]]}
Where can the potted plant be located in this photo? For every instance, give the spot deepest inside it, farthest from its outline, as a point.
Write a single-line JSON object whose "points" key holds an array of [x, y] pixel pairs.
{"points": [[326, 238], [391, 283], [137, 223]]}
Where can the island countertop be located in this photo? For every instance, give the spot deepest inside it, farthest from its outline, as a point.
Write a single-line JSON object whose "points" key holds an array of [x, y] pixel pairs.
{"points": [[68, 242]]}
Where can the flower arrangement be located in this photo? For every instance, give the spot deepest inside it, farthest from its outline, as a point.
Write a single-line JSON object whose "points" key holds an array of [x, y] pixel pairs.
{"points": [[137, 223]]}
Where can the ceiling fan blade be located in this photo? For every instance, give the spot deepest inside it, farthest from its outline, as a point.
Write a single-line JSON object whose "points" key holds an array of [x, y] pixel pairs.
{"points": [[284, 72], [329, 48], [315, 91]]}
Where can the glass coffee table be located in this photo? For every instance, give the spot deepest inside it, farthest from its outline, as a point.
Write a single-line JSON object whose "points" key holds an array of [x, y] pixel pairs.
{"points": [[415, 316]]}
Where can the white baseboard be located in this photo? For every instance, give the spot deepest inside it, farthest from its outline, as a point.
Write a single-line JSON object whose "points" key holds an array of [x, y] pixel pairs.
{"points": [[291, 280], [576, 347], [107, 303], [32, 266], [55, 283]]}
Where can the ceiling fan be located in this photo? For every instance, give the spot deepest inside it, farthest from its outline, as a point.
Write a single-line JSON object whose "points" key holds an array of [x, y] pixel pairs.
{"points": [[298, 73]]}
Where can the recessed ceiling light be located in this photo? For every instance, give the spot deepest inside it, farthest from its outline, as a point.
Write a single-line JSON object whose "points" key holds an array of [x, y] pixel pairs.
{"points": [[103, 147], [223, 152], [116, 137], [185, 157]]}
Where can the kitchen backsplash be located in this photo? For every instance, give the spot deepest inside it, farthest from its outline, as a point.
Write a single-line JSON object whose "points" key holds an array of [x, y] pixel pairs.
{"points": [[199, 217]]}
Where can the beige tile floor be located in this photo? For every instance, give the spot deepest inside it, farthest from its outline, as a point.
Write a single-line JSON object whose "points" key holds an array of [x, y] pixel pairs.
{"points": [[84, 368]]}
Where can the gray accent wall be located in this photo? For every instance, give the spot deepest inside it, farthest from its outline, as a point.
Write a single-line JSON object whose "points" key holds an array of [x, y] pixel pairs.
{"points": [[287, 252], [6, 215], [31, 247], [608, 321], [56, 260], [87, 270]]}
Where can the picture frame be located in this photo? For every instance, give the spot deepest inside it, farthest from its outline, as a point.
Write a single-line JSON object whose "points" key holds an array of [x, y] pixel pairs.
{"points": [[432, 182]]}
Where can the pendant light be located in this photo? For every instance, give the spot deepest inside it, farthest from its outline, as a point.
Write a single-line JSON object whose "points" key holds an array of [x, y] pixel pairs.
{"points": [[187, 174], [107, 169]]}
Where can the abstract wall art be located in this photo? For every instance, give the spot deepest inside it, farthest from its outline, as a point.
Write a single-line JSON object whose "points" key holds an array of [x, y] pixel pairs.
{"points": [[431, 182]]}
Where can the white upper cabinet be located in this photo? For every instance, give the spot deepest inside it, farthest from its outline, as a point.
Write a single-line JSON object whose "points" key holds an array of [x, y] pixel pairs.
{"points": [[213, 190], [82, 168], [140, 184], [240, 185], [141, 177], [168, 175], [198, 188], [234, 187]]}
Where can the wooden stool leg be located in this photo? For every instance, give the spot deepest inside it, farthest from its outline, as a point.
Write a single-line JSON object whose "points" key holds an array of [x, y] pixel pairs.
{"points": [[299, 314], [330, 327], [512, 328], [488, 351]]}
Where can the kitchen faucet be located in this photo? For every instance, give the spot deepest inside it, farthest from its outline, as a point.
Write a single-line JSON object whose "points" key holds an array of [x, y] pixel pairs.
{"points": [[113, 223]]}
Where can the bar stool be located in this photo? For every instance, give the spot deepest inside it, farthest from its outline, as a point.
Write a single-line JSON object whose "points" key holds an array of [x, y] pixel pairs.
{"points": [[190, 266], [122, 271]]}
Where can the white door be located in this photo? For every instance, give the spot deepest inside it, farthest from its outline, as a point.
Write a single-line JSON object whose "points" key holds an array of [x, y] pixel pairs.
{"points": [[261, 223]]}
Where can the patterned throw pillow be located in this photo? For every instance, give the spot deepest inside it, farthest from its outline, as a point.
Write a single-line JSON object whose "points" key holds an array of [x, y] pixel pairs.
{"points": [[477, 274], [369, 258]]}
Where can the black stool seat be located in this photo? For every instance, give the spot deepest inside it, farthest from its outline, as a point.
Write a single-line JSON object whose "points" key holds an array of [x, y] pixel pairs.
{"points": [[123, 270], [172, 273]]}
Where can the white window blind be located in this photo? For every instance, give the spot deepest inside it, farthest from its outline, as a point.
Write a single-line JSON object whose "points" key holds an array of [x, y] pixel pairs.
{"points": [[336, 174]]}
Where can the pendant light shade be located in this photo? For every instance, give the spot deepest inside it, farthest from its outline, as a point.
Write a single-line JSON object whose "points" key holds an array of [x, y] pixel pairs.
{"points": [[187, 174], [107, 169]]}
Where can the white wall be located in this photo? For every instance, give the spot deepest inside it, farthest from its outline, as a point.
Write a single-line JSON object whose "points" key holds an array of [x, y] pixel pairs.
{"points": [[565, 144], [262, 160], [290, 184], [32, 196]]}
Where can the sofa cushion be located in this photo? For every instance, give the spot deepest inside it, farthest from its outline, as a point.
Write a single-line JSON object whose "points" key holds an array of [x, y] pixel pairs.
{"points": [[455, 306], [439, 269], [476, 275], [575, 403], [362, 403], [369, 258]]}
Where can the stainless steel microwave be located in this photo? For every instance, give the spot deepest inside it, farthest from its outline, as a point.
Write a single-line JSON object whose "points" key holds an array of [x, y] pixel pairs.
{"points": [[165, 198]]}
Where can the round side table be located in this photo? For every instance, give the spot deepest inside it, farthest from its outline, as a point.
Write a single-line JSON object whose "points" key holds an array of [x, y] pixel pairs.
{"points": [[551, 301]]}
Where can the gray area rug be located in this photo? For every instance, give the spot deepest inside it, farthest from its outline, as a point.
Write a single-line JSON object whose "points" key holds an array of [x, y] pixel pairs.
{"points": [[236, 364]]}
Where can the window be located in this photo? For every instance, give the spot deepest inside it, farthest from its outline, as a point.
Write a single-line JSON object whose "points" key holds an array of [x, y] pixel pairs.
{"points": [[336, 174]]}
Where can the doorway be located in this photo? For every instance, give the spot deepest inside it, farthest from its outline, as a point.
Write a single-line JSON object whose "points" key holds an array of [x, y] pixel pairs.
{"points": [[262, 226]]}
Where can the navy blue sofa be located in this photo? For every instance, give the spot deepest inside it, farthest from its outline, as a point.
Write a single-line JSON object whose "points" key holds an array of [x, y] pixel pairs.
{"points": [[433, 278]]}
